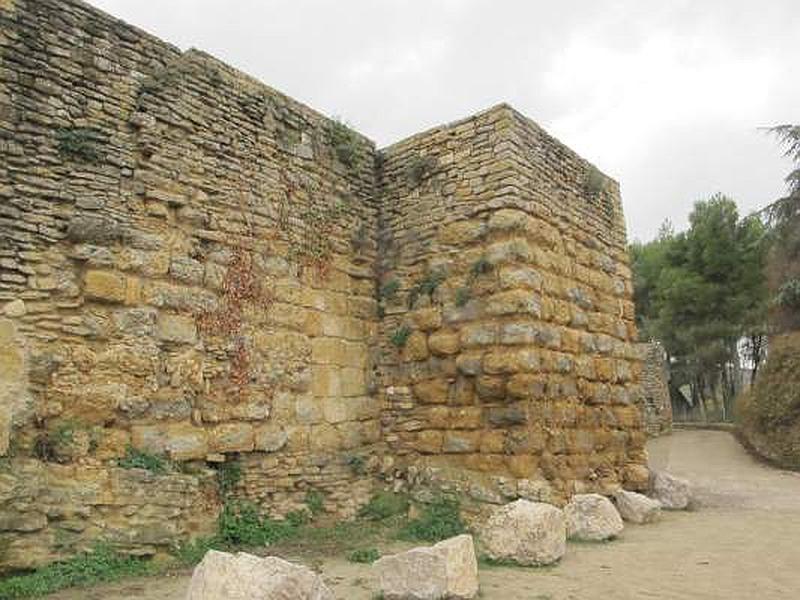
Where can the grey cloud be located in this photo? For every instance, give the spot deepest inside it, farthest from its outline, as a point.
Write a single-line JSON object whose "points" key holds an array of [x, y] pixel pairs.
{"points": [[394, 67]]}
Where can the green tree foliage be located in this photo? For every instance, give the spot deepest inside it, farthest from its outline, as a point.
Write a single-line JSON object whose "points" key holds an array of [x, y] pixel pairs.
{"points": [[783, 218], [702, 291]]}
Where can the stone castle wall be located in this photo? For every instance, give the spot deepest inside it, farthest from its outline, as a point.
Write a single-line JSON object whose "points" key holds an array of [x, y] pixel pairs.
{"points": [[194, 265], [656, 403], [186, 264]]}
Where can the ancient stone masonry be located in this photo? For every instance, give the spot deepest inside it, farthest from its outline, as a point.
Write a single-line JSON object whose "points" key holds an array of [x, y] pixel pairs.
{"points": [[656, 403], [194, 266]]}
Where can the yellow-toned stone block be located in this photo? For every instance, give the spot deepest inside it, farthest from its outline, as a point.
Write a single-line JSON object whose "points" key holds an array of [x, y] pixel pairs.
{"points": [[429, 442], [353, 382], [328, 351], [458, 442], [179, 329], [491, 387], [427, 319], [181, 441], [325, 438], [493, 442], [232, 437], [444, 343], [105, 286], [466, 417], [326, 381], [432, 391], [11, 357], [522, 466], [526, 386], [461, 232], [500, 361], [416, 347], [356, 354]]}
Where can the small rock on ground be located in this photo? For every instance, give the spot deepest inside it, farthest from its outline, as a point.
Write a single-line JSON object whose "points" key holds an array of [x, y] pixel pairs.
{"points": [[592, 518], [672, 492], [527, 533], [446, 570], [242, 576], [637, 508]]}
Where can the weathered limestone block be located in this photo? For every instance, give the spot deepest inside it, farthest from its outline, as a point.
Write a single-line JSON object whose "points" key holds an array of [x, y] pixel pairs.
{"points": [[526, 386], [514, 302], [508, 219], [458, 442], [427, 319], [447, 570], [243, 576], [510, 251], [461, 232], [176, 328], [637, 508], [444, 343], [181, 441], [478, 335], [527, 533], [500, 361], [469, 363], [270, 438], [672, 492], [592, 517], [514, 276], [432, 391], [232, 437], [636, 476], [416, 347], [106, 286], [429, 442], [490, 387], [15, 309]]}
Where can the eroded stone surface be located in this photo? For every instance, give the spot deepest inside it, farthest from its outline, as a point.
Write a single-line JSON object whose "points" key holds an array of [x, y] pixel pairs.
{"points": [[672, 492], [243, 576], [637, 508], [592, 517], [527, 533], [446, 570]]}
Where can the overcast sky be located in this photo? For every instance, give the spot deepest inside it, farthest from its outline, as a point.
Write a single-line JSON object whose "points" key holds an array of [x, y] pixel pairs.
{"points": [[665, 96]]}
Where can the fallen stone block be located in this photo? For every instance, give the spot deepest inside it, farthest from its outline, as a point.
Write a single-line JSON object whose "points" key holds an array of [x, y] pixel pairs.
{"points": [[672, 492], [637, 508], [592, 518], [527, 533], [446, 570], [243, 576]]}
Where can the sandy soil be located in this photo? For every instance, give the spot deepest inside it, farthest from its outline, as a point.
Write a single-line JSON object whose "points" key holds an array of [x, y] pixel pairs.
{"points": [[742, 542]]}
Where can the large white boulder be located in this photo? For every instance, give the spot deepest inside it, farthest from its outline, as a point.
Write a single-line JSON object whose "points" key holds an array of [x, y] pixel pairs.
{"points": [[242, 576], [592, 518], [637, 508], [672, 492], [446, 570], [527, 533]]}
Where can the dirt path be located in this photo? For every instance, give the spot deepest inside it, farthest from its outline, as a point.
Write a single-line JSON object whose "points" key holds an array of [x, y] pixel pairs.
{"points": [[742, 543]]}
